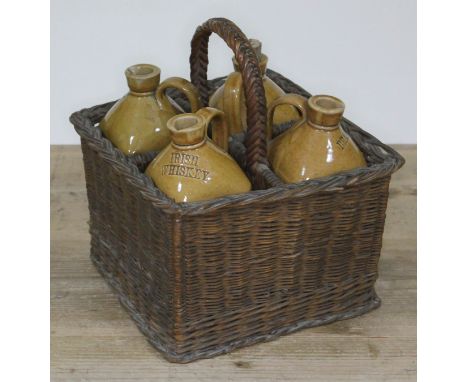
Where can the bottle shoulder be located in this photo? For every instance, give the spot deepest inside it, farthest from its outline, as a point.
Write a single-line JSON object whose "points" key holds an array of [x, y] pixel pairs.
{"points": [[304, 152]]}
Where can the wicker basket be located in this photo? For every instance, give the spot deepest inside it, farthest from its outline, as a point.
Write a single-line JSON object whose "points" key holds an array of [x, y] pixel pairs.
{"points": [[201, 279]]}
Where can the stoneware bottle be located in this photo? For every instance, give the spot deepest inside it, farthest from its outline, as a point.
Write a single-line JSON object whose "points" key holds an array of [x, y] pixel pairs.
{"points": [[230, 96], [316, 145], [193, 167], [137, 123]]}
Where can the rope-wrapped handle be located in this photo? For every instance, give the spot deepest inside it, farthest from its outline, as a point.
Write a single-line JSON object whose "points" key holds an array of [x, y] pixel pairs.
{"points": [[255, 141]]}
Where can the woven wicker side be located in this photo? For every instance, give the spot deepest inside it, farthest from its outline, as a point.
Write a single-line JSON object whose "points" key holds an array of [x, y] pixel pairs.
{"points": [[249, 274], [133, 247]]}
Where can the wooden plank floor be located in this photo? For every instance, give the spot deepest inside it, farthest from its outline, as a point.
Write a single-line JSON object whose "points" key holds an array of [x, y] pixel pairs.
{"points": [[93, 339]]}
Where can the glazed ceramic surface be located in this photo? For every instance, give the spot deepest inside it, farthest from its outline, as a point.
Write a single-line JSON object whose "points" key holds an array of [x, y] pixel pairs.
{"points": [[193, 167], [137, 123], [230, 96], [316, 145]]}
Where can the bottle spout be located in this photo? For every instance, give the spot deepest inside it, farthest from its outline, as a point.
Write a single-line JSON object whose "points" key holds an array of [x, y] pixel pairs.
{"points": [[325, 110], [257, 47], [142, 78], [187, 129]]}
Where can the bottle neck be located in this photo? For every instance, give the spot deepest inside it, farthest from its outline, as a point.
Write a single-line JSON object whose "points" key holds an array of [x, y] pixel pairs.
{"points": [[188, 147], [141, 94], [324, 112], [321, 127]]}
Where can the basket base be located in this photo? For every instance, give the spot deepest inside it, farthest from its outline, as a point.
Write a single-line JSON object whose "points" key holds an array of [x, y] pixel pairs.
{"points": [[186, 357]]}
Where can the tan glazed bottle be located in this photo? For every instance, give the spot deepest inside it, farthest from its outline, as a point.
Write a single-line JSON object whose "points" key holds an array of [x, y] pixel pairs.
{"points": [[315, 146], [137, 123], [230, 96], [193, 167]]}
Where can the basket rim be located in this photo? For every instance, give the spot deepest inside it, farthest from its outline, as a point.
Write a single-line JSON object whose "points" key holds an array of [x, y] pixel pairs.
{"points": [[86, 122]]}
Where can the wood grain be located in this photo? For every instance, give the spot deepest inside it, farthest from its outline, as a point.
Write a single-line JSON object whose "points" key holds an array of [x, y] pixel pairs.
{"points": [[93, 339]]}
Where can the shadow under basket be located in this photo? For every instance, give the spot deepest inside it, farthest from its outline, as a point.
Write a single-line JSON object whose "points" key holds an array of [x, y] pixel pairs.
{"points": [[201, 279]]}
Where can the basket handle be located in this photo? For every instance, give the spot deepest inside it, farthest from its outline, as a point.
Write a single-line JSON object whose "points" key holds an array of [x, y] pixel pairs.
{"points": [[255, 141]]}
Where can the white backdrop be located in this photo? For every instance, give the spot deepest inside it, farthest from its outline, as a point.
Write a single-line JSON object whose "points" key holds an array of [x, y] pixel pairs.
{"points": [[362, 51]]}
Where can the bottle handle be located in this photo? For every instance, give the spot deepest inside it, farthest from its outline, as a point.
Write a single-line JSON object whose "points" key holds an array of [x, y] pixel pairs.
{"points": [[220, 129], [232, 102], [296, 100], [184, 86]]}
